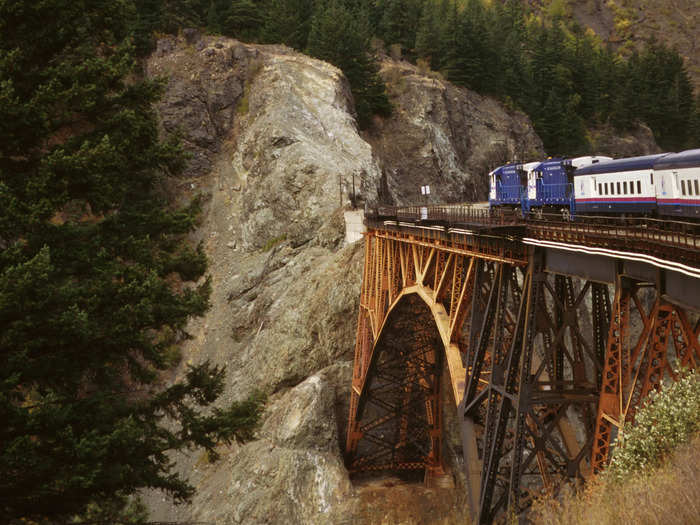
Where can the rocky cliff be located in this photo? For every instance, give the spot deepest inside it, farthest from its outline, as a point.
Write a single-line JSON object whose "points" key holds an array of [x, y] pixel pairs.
{"points": [[275, 153], [443, 136]]}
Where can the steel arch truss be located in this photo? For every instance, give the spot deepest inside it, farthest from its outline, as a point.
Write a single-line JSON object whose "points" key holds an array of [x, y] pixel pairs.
{"points": [[429, 285]]}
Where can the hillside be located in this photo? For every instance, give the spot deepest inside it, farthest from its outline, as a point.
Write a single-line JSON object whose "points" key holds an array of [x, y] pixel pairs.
{"points": [[276, 153], [627, 24]]}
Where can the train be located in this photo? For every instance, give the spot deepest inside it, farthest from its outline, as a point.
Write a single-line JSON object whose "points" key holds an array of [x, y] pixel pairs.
{"points": [[663, 185]]}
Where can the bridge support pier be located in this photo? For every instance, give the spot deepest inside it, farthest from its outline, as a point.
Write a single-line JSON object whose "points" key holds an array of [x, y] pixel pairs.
{"points": [[637, 361], [531, 386]]}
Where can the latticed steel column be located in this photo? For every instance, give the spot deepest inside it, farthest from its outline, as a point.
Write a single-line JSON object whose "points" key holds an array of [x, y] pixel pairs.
{"points": [[530, 370], [637, 363]]}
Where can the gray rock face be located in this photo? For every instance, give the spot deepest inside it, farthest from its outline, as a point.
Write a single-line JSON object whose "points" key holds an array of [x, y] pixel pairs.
{"points": [[444, 136], [274, 152], [639, 141]]}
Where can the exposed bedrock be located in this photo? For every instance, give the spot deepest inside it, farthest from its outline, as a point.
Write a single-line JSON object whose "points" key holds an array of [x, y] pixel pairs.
{"points": [[444, 136], [275, 150]]}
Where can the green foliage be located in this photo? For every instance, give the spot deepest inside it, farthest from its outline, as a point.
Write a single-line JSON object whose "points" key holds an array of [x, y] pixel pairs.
{"points": [[93, 271], [240, 19], [118, 509], [288, 22], [274, 241], [539, 61], [340, 35], [669, 418]]}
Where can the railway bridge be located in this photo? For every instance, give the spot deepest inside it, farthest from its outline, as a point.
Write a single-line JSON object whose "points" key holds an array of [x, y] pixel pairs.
{"points": [[545, 335]]}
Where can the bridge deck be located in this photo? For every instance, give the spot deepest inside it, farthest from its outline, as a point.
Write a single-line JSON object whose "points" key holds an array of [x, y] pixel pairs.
{"points": [[671, 243]]}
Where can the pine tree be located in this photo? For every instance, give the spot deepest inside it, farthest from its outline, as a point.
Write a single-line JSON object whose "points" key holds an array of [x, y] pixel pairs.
{"points": [[93, 272], [288, 22], [340, 36], [399, 22], [244, 20], [432, 33], [473, 62]]}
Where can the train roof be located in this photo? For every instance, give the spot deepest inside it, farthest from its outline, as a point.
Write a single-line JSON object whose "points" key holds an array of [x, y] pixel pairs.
{"points": [[629, 164], [507, 169], [550, 163], [580, 162], [685, 159]]}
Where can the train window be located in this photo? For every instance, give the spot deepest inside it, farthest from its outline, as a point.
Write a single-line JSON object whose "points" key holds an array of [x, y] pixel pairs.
{"points": [[651, 178], [683, 187], [624, 187], [606, 188], [690, 187], [631, 187], [639, 186], [695, 182], [618, 188], [600, 189]]}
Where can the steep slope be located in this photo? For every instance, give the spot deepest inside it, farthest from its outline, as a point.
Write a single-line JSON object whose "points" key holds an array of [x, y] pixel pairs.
{"points": [[629, 23], [275, 150]]}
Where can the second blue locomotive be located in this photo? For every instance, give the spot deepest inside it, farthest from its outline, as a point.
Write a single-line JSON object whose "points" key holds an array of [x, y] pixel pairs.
{"points": [[666, 184]]}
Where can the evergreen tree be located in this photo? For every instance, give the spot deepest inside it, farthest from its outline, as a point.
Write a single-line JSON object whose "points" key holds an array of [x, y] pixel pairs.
{"points": [[399, 22], [288, 22], [473, 62], [93, 272], [667, 97], [340, 36], [427, 35], [243, 20]]}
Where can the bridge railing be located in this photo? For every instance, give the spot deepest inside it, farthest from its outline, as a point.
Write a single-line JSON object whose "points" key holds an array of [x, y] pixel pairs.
{"points": [[649, 235], [449, 214], [625, 231]]}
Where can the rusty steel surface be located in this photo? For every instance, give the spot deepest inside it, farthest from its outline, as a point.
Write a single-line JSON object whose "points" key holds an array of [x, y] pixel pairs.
{"points": [[675, 240], [637, 362], [545, 369]]}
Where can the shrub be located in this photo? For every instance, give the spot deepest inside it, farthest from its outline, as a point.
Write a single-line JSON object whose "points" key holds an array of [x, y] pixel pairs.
{"points": [[668, 419]]}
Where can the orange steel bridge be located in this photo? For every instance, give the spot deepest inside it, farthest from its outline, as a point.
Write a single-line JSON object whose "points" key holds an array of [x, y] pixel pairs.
{"points": [[546, 336]]}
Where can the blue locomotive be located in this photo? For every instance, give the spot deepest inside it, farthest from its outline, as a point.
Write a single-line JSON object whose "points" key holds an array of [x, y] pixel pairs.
{"points": [[665, 184], [538, 187]]}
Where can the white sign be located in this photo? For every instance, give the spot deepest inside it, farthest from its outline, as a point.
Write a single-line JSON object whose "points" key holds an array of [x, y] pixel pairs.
{"points": [[425, 190]]}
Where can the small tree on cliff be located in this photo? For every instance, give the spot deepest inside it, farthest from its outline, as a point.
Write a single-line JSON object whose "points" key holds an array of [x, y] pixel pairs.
{"points": [[93, 272]]}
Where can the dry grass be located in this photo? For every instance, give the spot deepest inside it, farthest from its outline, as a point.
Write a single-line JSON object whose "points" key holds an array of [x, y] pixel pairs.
{"points": [[667, 495]]}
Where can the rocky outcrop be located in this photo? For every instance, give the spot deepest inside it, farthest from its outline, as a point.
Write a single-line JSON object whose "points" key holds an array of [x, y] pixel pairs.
{"points": [[640, 141], [275, 151], [443, 136]]}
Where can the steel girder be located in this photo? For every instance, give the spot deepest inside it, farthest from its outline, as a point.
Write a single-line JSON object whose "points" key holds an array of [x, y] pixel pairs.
{"points": [[431, 288], [544, 367]]}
